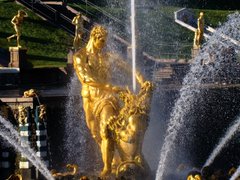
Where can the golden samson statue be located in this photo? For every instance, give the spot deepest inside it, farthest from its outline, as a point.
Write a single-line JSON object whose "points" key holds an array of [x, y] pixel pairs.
{"points": [[116, 117]]}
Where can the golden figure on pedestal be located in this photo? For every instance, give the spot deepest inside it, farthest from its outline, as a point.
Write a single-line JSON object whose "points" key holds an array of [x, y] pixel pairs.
{"points": [[42, 113], [116, 117], [22, 115], [17, 21], [78, 22], [198, 38]]}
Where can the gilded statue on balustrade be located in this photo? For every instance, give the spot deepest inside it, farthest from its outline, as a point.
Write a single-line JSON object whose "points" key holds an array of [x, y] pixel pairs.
{"points": [[42, 113], [17, 21], [78, 22], [116, 117], [30, 93], [22, 115], [198, 38]]}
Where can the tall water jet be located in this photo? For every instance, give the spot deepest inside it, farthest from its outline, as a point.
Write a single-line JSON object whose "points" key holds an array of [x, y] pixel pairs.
{"points": [[133, 41], [232, 130], [212, 53], [8, 133]]}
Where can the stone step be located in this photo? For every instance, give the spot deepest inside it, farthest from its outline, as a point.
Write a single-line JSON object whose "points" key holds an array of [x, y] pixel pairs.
{"points": [[165, 72]]}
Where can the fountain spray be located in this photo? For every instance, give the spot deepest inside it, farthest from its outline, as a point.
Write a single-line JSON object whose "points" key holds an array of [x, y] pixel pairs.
{"points": [[232, 130], [236, 174], [9, 133], [210, 53]]}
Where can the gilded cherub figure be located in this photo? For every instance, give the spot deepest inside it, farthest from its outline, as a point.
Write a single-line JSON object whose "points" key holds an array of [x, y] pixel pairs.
{"points": [[22, 115], [30, 93], [42, 113], [17, 21]]}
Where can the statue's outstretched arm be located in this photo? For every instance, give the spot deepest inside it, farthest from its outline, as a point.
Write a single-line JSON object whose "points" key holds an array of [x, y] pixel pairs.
{"points": [[74, 21]]}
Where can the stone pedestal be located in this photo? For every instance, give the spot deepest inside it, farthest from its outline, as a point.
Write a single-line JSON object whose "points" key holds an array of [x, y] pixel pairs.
{"points": [[195, 52], [70, 57], [18, 57], [13, 103], [129, 53]]}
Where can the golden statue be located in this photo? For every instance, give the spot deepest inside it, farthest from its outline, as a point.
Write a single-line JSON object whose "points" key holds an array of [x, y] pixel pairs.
{"points": [[17, 21], [196, 177], [72, 171], [112, 122], [129, 128], [42, 113], [22, 115], [198, 37], [78, 22], [15, 177], [30, 93], [232, 171]]}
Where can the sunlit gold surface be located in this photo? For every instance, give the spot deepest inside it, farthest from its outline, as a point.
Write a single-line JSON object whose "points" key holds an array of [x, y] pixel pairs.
{"points": [[78, 22], [115, 116], [17, 21], [15, 177], [196, 177], [72, 170], [22, 115], [42, 112], [30, 93], [130, 126], [198, 38]]}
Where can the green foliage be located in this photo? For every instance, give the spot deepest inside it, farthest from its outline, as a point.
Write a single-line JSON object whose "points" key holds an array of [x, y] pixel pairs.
{"points": [[47, 45], [213, 18], [161, 37], [158, 34], [204, 4]]}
